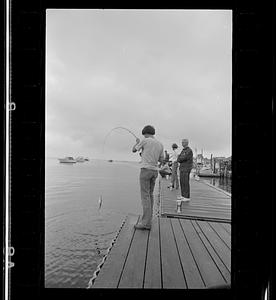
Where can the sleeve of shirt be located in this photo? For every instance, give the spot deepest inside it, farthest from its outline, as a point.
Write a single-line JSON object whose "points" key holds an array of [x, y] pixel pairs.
{"points": [[173, 156], [162, 156], [140, 145], [184, 156]]}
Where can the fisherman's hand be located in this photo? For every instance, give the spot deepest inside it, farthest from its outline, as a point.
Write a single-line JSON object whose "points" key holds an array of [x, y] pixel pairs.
{"points": [[137, 141]]}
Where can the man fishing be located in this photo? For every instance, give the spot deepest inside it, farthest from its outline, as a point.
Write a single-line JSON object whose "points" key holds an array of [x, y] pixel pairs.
{"points": [[152, 153]]}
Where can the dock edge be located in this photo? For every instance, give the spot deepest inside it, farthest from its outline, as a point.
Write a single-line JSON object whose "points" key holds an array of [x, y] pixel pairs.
{"points": [[96, 272]]}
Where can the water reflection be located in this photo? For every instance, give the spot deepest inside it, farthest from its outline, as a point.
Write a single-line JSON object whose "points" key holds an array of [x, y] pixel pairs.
{"points": [[222, 183]]}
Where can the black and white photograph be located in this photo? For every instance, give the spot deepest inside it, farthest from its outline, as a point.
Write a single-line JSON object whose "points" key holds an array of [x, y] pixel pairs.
{"points": [[138, 148]]}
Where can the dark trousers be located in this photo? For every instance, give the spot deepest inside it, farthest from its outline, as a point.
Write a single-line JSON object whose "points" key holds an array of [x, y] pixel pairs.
{"points": [[185, 182]]}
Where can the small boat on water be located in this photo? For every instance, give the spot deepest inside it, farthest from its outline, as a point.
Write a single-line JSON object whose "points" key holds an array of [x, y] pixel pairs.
{"points": [[110, 160], [80, 159], [68, 159], [86, 159]]}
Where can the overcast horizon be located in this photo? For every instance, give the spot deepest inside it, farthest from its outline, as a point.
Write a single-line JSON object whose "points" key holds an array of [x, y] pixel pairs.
{"points": [[106, 68]]}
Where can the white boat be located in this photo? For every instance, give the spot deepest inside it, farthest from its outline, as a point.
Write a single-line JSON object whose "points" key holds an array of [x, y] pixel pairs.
{"points": [[80, 159], [68, 159]]}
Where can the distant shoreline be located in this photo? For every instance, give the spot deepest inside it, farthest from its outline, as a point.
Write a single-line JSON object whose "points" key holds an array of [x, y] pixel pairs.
{"points": [[101, 159]]}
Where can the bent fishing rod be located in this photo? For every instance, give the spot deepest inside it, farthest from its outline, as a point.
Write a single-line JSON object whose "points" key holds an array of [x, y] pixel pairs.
{"points": [[118, 127]]}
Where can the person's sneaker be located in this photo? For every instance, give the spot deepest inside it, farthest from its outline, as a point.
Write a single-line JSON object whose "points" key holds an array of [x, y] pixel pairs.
{"points": [[180, 197], [185, 199], [171, 188], [140, 226]]}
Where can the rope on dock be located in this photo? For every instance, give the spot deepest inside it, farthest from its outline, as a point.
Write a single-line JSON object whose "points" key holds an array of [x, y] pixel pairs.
{"points": [[95, 274], [157, 208]]}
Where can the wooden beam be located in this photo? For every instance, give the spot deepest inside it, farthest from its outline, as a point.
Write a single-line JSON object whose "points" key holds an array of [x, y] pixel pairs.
{"points": [[110, 273]]}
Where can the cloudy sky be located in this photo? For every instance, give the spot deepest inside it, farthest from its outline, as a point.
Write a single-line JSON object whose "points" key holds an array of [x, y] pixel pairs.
{"points": [[109, 68]]}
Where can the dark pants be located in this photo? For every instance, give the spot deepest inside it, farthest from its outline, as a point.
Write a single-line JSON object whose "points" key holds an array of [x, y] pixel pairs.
{"points": [[185, 182]]}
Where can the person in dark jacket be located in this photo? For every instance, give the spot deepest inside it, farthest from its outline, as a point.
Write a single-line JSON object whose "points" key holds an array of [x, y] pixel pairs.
{"points": [[185, 159]]}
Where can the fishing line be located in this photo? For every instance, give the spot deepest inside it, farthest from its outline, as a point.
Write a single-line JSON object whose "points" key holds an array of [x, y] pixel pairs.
{"points": [[119, 127], [97, 235], [96, 272]]}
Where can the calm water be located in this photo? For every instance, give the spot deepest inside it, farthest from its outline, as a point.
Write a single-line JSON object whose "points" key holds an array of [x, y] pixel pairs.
{"points": [[77, 233], [223, 183]]}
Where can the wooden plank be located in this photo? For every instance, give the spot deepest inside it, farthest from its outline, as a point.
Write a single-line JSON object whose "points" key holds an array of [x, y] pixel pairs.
{"points": [[199, 213], [203, 218], [208, 270], [212, 193], [208, 199], [152, 277], [109, 274], [133, 272], [227, 227], [209, 191], [191, 207], [205, 202], [212, 196], [191, 272], [222, 233], [186, 208], [172, 273], [199, 194], [219, 189], [196, 202], [218, 249]]}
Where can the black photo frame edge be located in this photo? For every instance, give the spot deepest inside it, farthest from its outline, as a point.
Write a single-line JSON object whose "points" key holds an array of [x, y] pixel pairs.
{"points": [[253, 147]]}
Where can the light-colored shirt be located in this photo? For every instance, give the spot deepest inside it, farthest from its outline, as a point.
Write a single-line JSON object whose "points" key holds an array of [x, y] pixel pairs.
{"points": [[173, 156], [152, 152]]}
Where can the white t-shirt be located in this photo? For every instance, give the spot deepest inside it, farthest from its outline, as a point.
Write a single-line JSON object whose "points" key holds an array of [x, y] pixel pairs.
{"points": [[152, 152], [173, 156]]}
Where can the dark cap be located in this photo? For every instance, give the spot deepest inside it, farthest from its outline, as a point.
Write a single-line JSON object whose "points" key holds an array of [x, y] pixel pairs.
{"points": [[174, 146], [148, 130]]}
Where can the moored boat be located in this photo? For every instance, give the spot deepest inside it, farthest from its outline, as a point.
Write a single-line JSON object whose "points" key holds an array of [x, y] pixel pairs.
{"points": [[80, 159], [68, 159]]}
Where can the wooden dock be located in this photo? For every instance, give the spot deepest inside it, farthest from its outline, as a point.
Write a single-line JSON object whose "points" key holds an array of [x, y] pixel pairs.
{"points": [[177, 253], [186, 250], [207, 202]]}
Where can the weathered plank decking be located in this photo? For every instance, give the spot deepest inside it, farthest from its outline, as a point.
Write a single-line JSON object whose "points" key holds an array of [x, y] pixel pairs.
{"points": [[176, 253], [207, 202]]}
